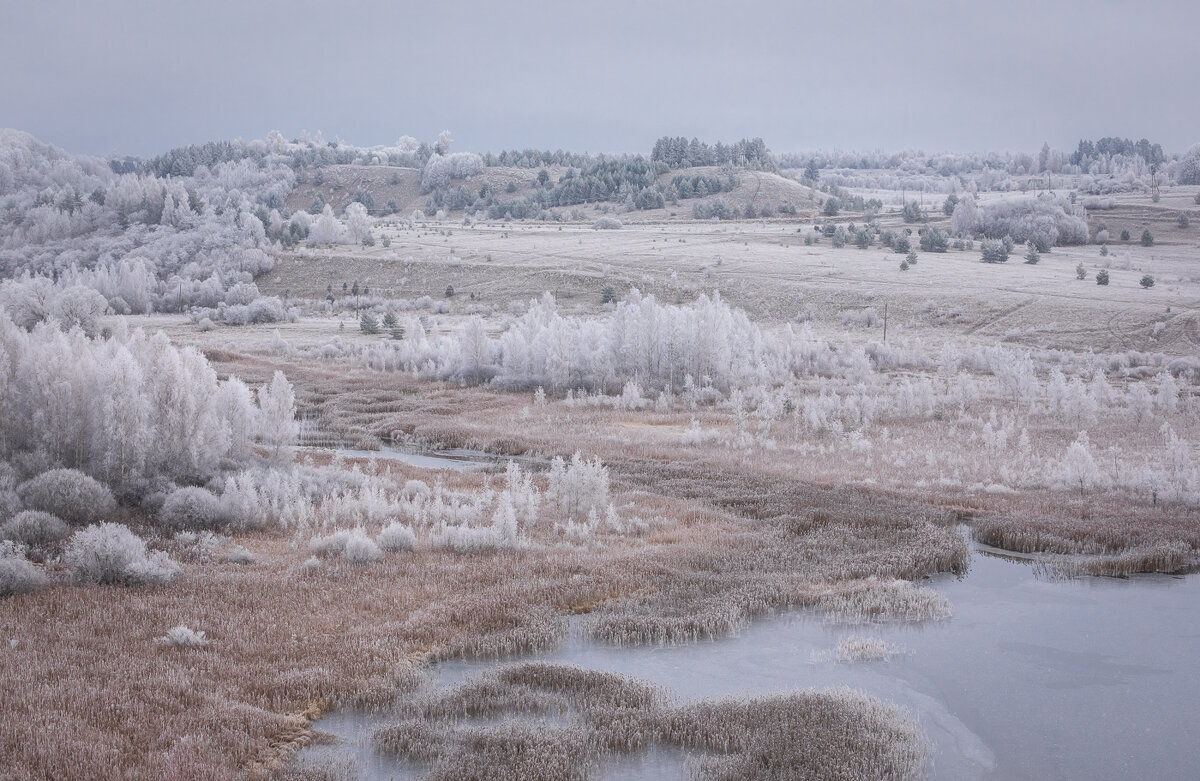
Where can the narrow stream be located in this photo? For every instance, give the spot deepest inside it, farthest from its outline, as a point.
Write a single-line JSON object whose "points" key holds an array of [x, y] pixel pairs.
{"points": [[457, 459], [1093, 678]]}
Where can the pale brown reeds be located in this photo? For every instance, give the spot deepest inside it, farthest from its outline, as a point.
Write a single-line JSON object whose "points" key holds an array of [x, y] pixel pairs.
{"points": [[88, 693], [836, 734], [1163, 557]]}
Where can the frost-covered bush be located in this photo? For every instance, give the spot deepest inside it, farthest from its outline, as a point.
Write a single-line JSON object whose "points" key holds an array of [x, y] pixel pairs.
{"points": [[112, 554], [241, 294], [191, 508], [579, 487], [397, 536], [1054, 220], [329, 544], [467, 539], [240, 555], [523, 494], [200, 546], [69, 494], [415, 488], [240, 506], [440, 170], [260, 310], [640, 338], [17, 575], [182, 637], [607, 224], [34, 527], [360, 549]]}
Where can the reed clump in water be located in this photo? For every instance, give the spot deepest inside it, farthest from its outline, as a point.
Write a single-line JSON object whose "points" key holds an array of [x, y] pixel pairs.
{"points": [[836, 734], [1162, 557], [832, 735], [873, 599], [856, 648], [1137, 541]]}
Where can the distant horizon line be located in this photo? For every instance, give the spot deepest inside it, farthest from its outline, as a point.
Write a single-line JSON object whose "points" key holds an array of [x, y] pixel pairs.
{"points": [[299, 138]]}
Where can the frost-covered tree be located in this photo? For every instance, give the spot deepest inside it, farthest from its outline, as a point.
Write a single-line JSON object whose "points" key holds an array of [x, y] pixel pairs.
{"points": [[80, 307], [278, 428], [327, 229], [964, 222], [993, 251], [1139, 402], [1078, 469], [1166, 396], [197, 227], [440, 170], [1187, 170], [126, 420], [358, 223]]}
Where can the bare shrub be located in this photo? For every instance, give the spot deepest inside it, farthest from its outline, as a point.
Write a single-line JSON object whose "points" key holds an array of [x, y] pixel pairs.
{"points": [[70, 494]]}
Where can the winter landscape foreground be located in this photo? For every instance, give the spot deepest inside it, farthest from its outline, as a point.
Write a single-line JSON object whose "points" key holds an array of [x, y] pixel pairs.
{"points": [[322, 461]]}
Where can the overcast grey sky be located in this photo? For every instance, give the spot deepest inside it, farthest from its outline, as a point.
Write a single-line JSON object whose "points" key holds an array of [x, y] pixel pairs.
{"points": [[961, 75]]}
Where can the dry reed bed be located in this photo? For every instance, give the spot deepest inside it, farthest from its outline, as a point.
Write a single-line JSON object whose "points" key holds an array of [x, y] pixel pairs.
{"points": [[1166, 537], [1032, 520], [836, 734], [88, 693], [87, 689]]}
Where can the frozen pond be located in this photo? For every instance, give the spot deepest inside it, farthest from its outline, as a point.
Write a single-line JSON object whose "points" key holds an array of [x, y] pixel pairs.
{"points": [[1031, 679], [443, 459]]}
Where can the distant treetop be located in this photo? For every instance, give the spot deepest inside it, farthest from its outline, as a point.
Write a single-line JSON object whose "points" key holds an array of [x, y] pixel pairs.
{"points": [[1111, 145], [678, 152]]}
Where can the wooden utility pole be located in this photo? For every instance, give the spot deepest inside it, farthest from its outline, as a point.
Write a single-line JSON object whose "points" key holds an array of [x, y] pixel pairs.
{"points": [[885, 322]]}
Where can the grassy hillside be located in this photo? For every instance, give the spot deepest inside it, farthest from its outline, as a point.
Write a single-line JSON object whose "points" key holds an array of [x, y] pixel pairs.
{"points": [[337, 185]]}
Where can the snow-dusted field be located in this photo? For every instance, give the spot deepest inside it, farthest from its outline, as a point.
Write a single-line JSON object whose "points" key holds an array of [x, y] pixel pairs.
{"points": [[767, 269]]}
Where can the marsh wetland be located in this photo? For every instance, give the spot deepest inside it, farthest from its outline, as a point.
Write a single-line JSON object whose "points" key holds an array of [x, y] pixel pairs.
{"points": [[976, 682]]}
